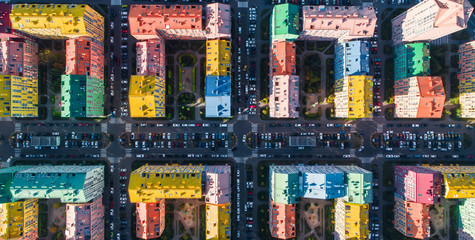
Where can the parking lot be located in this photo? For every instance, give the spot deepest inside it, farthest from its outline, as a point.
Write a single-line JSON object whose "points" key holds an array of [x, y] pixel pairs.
{"points": [[411, 140]]}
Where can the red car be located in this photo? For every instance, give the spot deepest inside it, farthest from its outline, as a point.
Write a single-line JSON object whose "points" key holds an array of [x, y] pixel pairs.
{"points": [[377, 104], [122, 174], [252, 106]]}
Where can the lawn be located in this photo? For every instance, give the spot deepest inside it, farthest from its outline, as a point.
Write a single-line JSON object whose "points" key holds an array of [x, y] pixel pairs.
{"points": [[186, 98], [264, 86], [329, 68], [265, 27], [313, 116], [438, 66], [263, 174], [329, 222], [389, 80], [454, 88], [186, 113], [186, 60], [323, 45], [312, 74]]}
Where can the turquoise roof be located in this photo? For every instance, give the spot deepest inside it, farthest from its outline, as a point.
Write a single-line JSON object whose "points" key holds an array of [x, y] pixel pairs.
{"points": [[284, 184], [6, 177], [359, 183], [285, 22]]}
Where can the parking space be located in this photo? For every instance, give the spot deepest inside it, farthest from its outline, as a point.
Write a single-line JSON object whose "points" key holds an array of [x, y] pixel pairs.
{"points": [[411, 140]]}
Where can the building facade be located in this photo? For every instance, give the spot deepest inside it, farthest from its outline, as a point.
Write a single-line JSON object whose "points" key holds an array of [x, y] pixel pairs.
{"points": [[18, 96], [283, 58], [419, 97], [282, 220], [410, 218], [6, 179], [351, 220], [150, 219], [85, 56], [284, 96], [19, 220], [5, 23], [431, 19], [351, 58], [466, 219], [284, 22], [418, 184], [218, 57], [412, 59], [85, 221], [151, 57], [82, 96], [218, 96], [18, 56], [321, 182], [218, 221], [147, 96], [218, 21], [359, 184], [459, 181], [218, 184], [337, 22], [354, 97], [58, 21], [466, 77]]}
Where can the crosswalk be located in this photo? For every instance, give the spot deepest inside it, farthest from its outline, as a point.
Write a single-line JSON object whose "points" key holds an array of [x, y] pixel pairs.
{"points": [[5, 119], [254, 127], [128, 152], [17, 152], [352, 152], [242, 4], [379, 128], [230, 153], [103, 153], [254, 153], [17, 127], [128, 127], [244, 117], [230, 128], [104, 127]]}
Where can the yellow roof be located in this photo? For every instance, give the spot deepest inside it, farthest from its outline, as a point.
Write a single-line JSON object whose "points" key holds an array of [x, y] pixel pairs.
{"points": [[14, 218], [218, 57], [147, 96], [360, 99], [459, 180], [218, 221]]}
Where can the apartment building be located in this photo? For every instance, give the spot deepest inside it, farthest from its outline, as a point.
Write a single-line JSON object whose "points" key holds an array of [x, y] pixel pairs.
{"points": [[218, 57], [150, 219], [282, 220], [418, 184], [354, 97], [284, 22], [147, 96], [151, 57], [6, 179], [284, 184], [410, 218], [85, 56], [85, 221], [19, 220], [412, 59], [459, 181], [351, 58], [284, 96], [282, 58], [82, 96], [359, 184], [218, 221], [466, 77], [18, 96], [321, 182], [218, 184], [218, 21], [351, 220], [18, 56], [218, 96], [466, 219]]}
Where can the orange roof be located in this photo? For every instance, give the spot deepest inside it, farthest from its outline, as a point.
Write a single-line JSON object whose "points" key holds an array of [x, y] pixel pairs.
{"points": [[283, 58], [432, 100], [282, 220], [145, 19]]}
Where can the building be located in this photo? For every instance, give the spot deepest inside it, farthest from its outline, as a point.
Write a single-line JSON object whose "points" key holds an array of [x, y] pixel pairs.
{"points": [[218, 21], [430, 20], [151, 57], [172, 22], [39, 142], [282, 220], [412, 59], [5, 23], [82, 96], [148, 184], [419, 97], [58, 21], [351, 58], [85, 56], [321, 182], [19, 220], [69, 183], [410, 218], [337, 22], [18, 56], [284, 184], [466, 219], [358, 183], [218, 221], [150, 219], [282, 58], [466, 77], [218, 184], [351, 220], [18, 96], [284, 22], [354, 97], [418, 184], [147, 96], [85, 221], [459, 181], [302, 141], [218, 57], [218, 96], [6, 179], [284, 96]]}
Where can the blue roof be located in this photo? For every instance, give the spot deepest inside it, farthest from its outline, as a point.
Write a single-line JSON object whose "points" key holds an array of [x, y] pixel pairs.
{"points": [[218, 96]]}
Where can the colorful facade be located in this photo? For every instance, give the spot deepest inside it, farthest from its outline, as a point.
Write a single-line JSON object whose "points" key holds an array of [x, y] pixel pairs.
{"points": [[218, 184], [337, 22], [58, 21], [459, 181], [284, 184], [466, 219], [466, 77], [351, 58], [85, 56], [218, 57], [148, 184], [69, 183], [354, 97], [351, 220], [147, 96], [321, 182], [174, 22], [151, 57], [19, 220], [218, 96], [282, 220], [218, 221], [150, 219], [18, 56], [218, 21], [85, 221], [6, 179], [430, 20], [358, 183], [82, 96], [418, 184], [283, 58], [18, 96], [412, 59], [284, 25], [419, 97], [284, 96], [5, 23], [411, 219]]}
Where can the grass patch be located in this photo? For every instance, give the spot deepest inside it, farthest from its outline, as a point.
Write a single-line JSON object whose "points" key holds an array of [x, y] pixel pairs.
{"points": [[169, 79], [330, 50], [389, 113], [313, 116], [388, 196], [186, 98], [169, 112], [262, 222], [454, 88], [454, 215], [356, 140], [323, 45], [265, 113], [186, 113], [42, 224], [329, 222], [312, 74], [263, 174], [194, 79], [186, 60], [330, 113], [265, 27], [454, 48], [180, 81], [389, 80], [330, 81], [264, 86], [438, 66], [386, 13], [466, 141], [263, 196]]}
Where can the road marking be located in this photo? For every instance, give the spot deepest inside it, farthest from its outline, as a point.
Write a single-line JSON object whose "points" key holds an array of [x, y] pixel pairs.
{"points": [[114, 159], [17, 127], [128, 127], [254, 127], [103, 153], [352, 152], [128, 152], [379, 155], [104, 127], [242, 4], [254, 153], [230, 153], [230, 128], [367, 119], [366, 159], [17, 152], [5, 119], [379, 128], [243, 117]]}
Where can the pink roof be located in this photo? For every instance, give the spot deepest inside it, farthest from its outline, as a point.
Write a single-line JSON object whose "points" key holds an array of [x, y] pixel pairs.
{"points": [[84, 220], [418, 184], [218, 184], [18, 56], [432, 100], [218, 20], [84, 56], [151, 57], [5, 23], [284, 96], [283, 58], [355, 21], [282, 220]]}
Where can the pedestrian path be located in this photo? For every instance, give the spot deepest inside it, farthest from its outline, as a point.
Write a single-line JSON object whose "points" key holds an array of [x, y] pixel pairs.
{"points": [[230, 128], [230, 153], [242, 4], [5, 119]]}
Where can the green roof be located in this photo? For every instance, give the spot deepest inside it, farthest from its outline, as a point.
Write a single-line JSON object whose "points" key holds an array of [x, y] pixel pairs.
{"points": [[285, 22], [284, 184], [69, 183], [6, 177], [359, 184], [81, 96], [412, 59]]}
